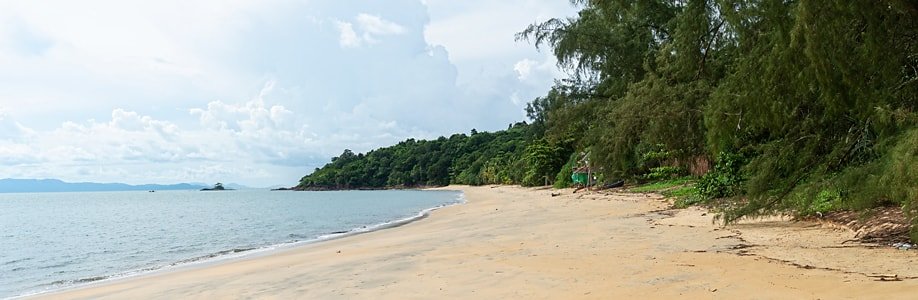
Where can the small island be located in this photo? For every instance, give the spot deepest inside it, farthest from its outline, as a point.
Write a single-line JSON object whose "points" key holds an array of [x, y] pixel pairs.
{"points": [[217, 187]]}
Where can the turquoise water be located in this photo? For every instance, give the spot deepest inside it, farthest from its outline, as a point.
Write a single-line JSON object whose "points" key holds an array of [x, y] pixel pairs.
{"points": [[51, 241]]}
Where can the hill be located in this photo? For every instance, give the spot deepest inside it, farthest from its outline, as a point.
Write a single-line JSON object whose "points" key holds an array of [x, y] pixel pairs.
{"points": [[10, 185]]}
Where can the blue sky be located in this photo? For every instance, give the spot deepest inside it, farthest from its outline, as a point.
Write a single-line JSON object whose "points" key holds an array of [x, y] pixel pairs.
{"points": [[255, 92]]}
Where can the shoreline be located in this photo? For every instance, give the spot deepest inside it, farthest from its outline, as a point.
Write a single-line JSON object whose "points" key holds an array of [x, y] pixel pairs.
{"points": [[238, 254], [517, 242]]}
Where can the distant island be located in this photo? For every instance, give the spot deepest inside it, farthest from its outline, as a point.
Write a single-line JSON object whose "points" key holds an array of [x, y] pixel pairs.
{"points": [[229, 185], [10, 185], [217, 187]]}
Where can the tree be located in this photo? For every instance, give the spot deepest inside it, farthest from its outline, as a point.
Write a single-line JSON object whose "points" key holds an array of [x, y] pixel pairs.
{"points": [[814, 95]]}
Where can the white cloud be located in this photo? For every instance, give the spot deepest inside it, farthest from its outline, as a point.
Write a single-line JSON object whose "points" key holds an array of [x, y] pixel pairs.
{"points": [[11, 129], [256, 92], [120, 149], [373, 27], [349, 38], [523, 68], [132, 121], [506, 69], [491, 23], [246, 118], [537, 72]]}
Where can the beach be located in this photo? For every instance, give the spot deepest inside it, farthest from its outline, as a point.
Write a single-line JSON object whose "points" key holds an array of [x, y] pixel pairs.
{"points": [[511, 242]]}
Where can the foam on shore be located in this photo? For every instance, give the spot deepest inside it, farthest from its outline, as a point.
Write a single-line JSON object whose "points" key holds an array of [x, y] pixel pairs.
{"points": [[235, 253]]}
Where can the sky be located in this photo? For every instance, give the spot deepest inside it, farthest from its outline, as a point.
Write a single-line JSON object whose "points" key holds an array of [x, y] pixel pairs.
{"points": [[257, 92]]}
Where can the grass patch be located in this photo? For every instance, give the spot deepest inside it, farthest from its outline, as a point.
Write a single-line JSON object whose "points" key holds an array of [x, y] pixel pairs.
{"points": [[683, 190], [687, 190], [661, 186], [685, 196]]}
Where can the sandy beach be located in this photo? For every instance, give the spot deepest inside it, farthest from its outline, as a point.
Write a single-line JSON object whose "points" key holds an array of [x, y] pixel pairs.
{"points": [[521, 243]]}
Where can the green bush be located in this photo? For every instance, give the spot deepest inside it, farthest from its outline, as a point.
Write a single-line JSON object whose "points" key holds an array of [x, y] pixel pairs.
{"points": [[824, 201], [563, 178], [685, 196], [663, 173], [726, 178]]}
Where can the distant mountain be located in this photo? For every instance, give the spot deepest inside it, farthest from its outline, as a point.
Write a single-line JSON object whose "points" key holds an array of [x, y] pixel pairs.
{"points": [[53, 185]]}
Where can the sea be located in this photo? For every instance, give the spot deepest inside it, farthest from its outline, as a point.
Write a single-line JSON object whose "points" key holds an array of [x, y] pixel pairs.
{"points": [[53, 241]]}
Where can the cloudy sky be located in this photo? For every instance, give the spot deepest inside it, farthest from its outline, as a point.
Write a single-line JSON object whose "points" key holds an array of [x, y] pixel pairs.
{"points": [[258, 92]]}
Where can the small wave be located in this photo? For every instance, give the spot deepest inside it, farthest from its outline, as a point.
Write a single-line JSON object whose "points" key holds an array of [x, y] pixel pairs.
{"points": [[73, 283], [80, 280], [240, 252], [212, 255], [460, 199], [57, 265], [297, 236], [17, 261]]}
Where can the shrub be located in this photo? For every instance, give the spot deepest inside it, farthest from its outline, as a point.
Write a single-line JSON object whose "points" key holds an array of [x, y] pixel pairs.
{"points": [[685, 196], [725, 179], [563, 179], [824, 201], [664, 172]]}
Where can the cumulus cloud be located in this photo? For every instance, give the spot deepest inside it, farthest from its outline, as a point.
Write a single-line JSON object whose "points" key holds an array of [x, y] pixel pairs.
{"points": [[374, 25], [121, 148], [252, 118], [372, 28], [257, 92], [132, 121]]}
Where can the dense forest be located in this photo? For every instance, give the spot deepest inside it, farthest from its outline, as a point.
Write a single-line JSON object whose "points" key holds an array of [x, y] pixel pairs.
{"points": [[513, 156], [799, 106]]}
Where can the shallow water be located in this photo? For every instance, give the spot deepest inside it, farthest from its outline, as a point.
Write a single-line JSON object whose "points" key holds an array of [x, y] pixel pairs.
{"points": [[50, 241]]}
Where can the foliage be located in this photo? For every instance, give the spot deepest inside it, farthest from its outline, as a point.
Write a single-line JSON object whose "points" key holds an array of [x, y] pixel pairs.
{"points": [[661, 185], [664, 172], [512, 156], [725, 180], [807, 105], [563, 179], [683, 190], [542, 161], [819, 97], [658, 164], [685, 196], [823, 203]]}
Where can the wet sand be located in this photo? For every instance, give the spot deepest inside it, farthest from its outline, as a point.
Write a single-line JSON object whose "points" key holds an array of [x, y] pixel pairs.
{"points": [[521, 243]]}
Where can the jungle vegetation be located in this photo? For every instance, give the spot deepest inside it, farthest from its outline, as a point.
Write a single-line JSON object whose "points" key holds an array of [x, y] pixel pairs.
{"points": [[794, 106], [514, 156]]}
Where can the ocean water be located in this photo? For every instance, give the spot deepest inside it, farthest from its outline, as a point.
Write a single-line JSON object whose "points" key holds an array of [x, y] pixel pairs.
{"points": [[50, 241]]}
